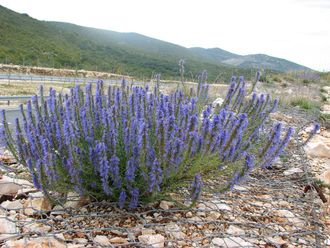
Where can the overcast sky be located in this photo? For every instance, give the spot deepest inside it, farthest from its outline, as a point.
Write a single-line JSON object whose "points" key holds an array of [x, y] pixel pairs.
{"points": [[297, 30]]}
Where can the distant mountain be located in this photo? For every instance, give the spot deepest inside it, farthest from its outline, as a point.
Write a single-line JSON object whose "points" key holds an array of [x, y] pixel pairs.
{"points": [[216, 55], [24, 40], [264, 61]]}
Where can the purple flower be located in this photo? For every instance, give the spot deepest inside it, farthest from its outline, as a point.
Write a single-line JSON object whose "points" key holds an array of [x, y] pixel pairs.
{"points": [[35, 180], [155, 176], [134, 198], [122, 199], [196, 187]]}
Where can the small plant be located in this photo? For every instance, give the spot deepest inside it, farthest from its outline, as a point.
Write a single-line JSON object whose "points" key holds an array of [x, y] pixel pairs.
{"points": [[277, 79], [304, 103], [131, 144], [323, 98], [325, 120], [306, 81]]}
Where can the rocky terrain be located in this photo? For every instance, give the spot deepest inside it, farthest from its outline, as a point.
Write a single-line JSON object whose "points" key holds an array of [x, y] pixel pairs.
{"points": [[285, 206]]}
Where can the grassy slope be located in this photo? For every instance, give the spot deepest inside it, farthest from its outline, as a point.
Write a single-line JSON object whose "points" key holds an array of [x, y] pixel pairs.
{"points": [[33, 42]]}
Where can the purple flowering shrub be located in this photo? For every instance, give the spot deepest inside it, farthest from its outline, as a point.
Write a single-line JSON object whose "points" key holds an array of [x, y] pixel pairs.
{"points": [[129, 144]]}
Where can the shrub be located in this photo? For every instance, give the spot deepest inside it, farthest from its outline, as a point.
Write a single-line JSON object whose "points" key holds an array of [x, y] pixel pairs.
{"points": [[305, 81], [304, 103], [277, 79], [130, 144]]}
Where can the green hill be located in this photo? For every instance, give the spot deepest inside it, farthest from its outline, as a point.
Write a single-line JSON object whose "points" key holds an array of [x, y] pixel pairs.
{"points": [[24, 40]]}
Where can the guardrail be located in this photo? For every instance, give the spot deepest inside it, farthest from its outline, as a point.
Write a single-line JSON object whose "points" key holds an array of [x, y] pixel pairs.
{"points": [[14, 98], [53, 79]]}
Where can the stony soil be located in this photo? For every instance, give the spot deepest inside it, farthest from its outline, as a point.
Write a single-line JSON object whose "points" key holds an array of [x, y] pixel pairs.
{"points": [[278, 207]]}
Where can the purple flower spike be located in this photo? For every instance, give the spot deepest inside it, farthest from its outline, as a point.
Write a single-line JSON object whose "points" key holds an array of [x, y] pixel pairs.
{"points": [[196, 187]]}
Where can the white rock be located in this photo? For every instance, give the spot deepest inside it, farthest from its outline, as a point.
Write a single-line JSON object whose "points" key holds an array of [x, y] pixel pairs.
{"points": [[174, 231], [325, 109], [240, 188], [189, 215], [166, 205], [7, 227], [75, 200], [278, 241], [57, 210], [284, 213], [10, 186], [154, 241], [217, 101], [37, 203], [319, 146], [213, 215], [36, 227], [214, 205], [233, 230], [102, 240], [292, 171], [80, 240], [27, 190], [12, 205], [231, 242], [325, 177], [42, 242], [287, 215], [223, 206], [146, 231], [118, 240]]}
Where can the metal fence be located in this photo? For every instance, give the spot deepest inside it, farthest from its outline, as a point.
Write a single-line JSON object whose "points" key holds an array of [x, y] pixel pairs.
{"points": [[270, 209], [6, 77]]}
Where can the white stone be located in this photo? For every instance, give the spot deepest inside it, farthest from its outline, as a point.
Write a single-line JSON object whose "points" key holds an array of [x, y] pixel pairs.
{"points": [[233, 230], [223, 206], [231, 242], [326, 109], [10, 186], [217, 101], [102, 240], [287, 215], [12, 205], [42, 242], [292, 171], [36, 227], [146, 231], [75, 200], [284, 213], [80, 240], [166, 205], [36, 204], [319, 147], [7, 227], [174, 231], [57, 210], [213, 215], [214, 205], [325, 177], [154, 241], [240, 188], [118, 240]]}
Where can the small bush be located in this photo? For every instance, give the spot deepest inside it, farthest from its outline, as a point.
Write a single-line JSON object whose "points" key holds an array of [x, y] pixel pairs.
{"points": [[277, 79], [131, 144], [325, 120], [304, 104], [306, 81], [323, 90], [264, 78], [323, 98]]}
